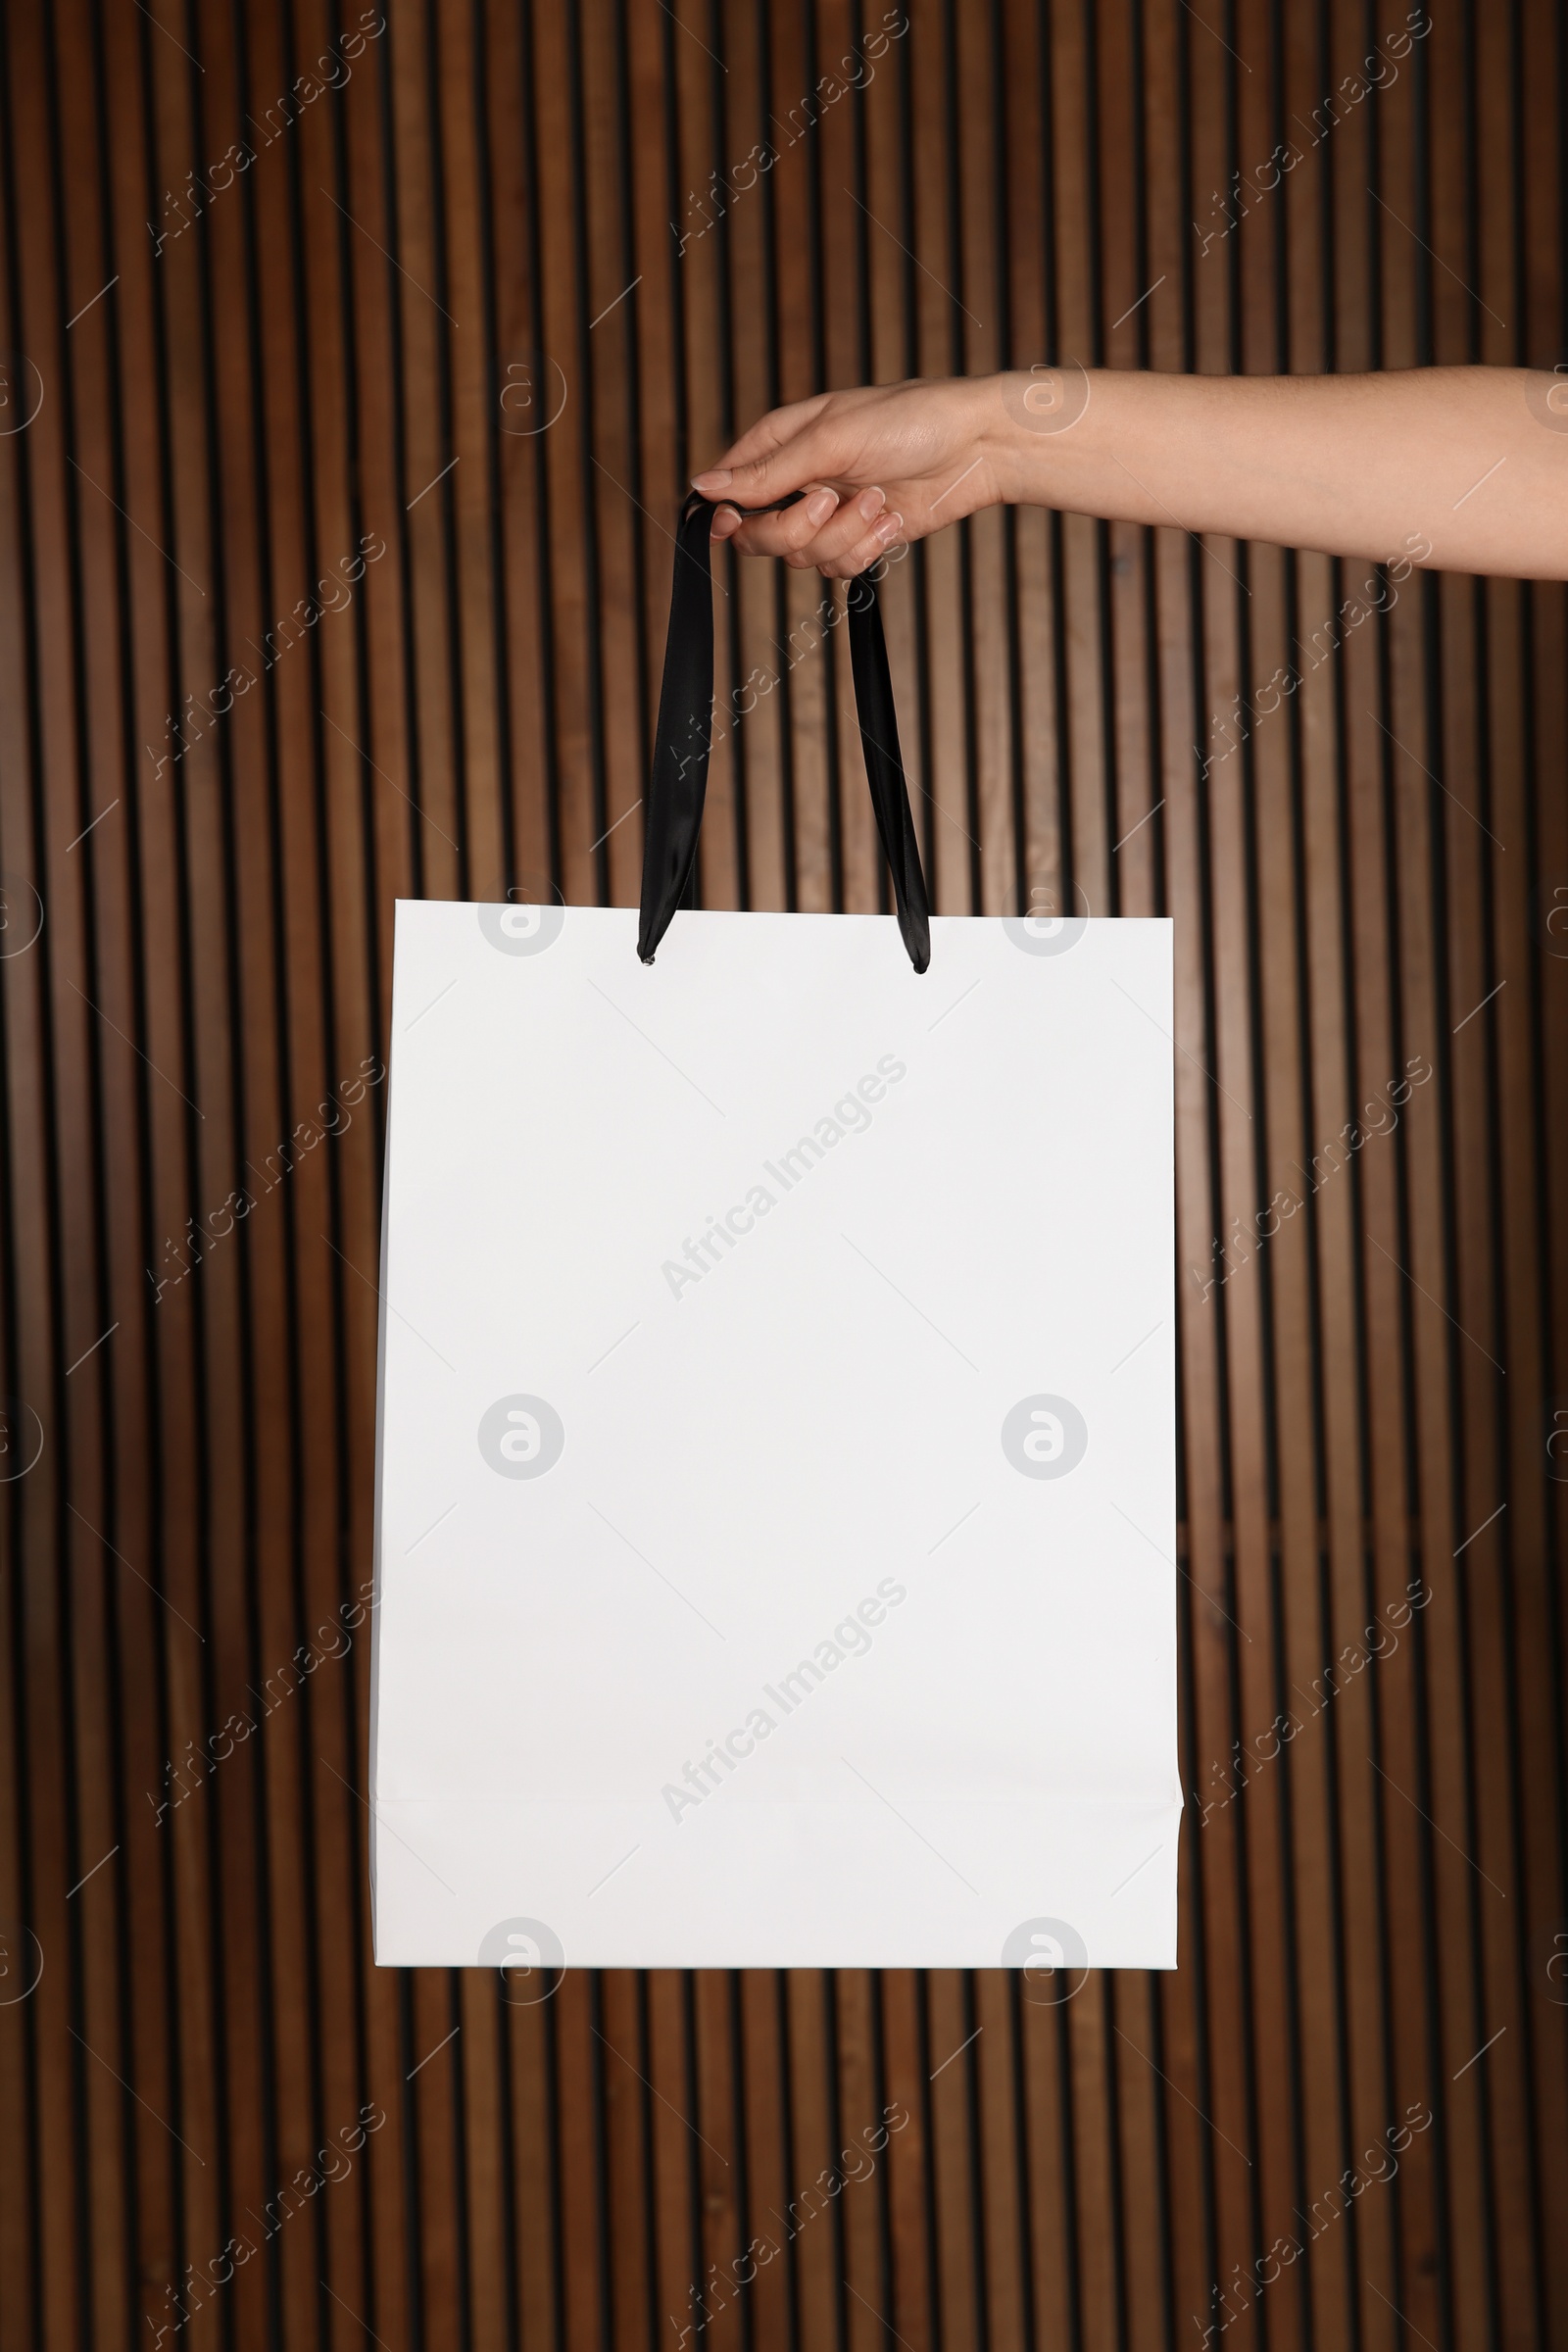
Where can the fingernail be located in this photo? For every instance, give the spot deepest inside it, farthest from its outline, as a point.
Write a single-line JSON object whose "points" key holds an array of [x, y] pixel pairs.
{"points": [[719, 478], [889, 528], [872, 501], [821, 505], [724, 522]]}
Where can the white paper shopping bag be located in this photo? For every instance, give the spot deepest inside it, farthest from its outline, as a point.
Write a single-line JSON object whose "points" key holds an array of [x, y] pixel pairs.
{"points": [[776, 1512]]}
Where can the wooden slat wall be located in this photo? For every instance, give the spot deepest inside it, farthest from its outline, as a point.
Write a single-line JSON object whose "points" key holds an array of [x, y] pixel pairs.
{"points": [[443, 318]]}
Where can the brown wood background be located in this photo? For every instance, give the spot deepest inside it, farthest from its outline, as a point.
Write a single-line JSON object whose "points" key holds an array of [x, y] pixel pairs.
{"points": [[444, 313]]}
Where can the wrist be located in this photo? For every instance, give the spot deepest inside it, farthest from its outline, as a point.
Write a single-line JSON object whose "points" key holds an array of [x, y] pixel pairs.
{"points": [[1000, 433], [1025, 410]]}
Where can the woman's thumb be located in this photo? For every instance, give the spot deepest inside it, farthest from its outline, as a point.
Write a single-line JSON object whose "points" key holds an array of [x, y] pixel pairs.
{"points": [[752, 485]]}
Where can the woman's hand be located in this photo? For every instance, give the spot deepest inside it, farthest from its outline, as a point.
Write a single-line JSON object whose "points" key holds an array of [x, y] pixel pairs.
{"points": [[884, 463], [1462, 468]]}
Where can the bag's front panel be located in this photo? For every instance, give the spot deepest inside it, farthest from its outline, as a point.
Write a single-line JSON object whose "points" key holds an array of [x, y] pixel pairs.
{"points": [[778, 1451]]}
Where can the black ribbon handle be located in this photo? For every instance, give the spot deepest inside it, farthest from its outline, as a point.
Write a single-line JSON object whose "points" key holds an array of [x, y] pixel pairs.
{"points": [[678, 784]]}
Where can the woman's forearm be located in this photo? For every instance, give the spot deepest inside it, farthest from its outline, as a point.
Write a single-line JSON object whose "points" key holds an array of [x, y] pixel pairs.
{"points": [[1471, 461]]}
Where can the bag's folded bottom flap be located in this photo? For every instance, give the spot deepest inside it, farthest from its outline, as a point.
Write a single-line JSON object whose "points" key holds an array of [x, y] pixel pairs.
{"points": [[871, 1881]]}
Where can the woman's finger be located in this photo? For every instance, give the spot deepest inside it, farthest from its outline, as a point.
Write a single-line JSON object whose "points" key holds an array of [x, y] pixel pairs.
{"points": [[842, 530], [804, 457], [778, 534], [867, 550]]}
